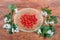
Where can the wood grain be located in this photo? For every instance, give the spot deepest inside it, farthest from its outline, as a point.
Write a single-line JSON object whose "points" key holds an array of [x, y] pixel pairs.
{"points": [[37, 4]]}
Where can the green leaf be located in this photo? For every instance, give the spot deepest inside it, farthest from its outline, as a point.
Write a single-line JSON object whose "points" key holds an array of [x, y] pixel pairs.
{"points": [[47, 10], [48, 35], [12, 7], [14, 26], [54, 18], [9, 17], [44, 28], [10, 30], [43, 31]]}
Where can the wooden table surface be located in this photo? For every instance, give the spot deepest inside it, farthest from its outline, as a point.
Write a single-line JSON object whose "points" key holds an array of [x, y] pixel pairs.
{"points": [[54, 5]]}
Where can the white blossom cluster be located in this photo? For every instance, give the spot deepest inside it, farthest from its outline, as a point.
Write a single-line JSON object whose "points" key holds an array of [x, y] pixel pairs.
{"points": [[50, 32], [6, 20], [49, 22], [8, 26], [45, 14], [15, 30]]}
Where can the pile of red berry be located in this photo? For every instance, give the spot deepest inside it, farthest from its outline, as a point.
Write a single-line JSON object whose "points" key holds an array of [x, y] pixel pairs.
{"points": [[28, 20]]}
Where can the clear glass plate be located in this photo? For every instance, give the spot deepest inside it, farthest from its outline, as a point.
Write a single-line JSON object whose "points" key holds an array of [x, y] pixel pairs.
{"points": [[24, 10]]}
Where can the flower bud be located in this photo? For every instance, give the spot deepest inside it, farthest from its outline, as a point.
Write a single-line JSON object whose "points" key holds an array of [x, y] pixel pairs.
{"points": [[16, 10], [44, 13]]}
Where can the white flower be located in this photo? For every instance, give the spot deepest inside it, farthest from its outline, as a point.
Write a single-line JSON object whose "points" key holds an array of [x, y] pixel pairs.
{"points": [[6, 20], [7, 26], [17, 30], [39, 31], [13, 30], [50, 32], [52, 22], [16, 10], [44, 13], [47, 22]]}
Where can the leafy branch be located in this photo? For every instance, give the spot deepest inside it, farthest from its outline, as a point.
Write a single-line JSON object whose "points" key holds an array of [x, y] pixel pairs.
{"points": [[9, 20], [47, 30]]}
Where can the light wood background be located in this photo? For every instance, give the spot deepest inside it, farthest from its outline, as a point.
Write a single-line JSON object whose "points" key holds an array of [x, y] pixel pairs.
{"points": [[54, 5]]}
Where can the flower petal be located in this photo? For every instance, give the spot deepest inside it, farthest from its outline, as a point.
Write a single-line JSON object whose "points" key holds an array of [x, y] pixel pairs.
{"points": [[17, 30], [7, 26], [16, 10], [44, 13], [5, 19], [13, 30], [39, 31], [49, 31], [52, 33], [52, 22]]}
